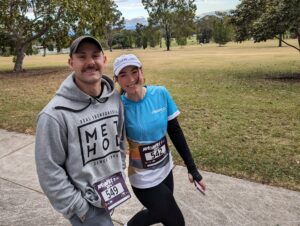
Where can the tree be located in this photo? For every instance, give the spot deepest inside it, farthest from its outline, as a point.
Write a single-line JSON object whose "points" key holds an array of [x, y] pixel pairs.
{"points": [[221, 29], [46, 43], [184, 20], [145, 41], [220, 32], [139, 28], [266, 19], [166, 13], [121, 41], [56, 37], [154, 36], [204, 28], [204, 35], [6, 45], [62, 39], [24, 21], [146, 35], [182, 41], [114, 23]]}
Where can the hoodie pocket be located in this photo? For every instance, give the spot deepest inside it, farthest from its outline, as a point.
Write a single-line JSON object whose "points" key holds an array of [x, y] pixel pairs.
{"points": [[92, 197]]}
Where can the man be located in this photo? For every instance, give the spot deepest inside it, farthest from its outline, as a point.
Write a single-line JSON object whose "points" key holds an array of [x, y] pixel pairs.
{"points": [[80, 141]]}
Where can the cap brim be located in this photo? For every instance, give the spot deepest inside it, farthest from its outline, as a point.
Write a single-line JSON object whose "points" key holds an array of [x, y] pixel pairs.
{"points": [[78, 41], [122, 66]]}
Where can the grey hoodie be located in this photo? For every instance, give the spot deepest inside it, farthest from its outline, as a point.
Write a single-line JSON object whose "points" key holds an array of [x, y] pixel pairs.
{"points": [[79, 141]]}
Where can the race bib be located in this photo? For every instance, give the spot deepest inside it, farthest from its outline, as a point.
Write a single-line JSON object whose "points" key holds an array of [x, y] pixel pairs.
{"points": [[155, 153], [113, 190]]}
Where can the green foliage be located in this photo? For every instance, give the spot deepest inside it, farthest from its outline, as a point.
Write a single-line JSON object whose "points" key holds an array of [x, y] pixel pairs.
{"points": [[266, 19], [31, 50], [23, 22], [221, 30], [145, 41], [182, 41], [154, 36], [139, 28], [204, 28], [175, 17], [147, 35], [123, 39], [114, 24], [244, 16], [184, 20], [204, 35], [56, 37]]}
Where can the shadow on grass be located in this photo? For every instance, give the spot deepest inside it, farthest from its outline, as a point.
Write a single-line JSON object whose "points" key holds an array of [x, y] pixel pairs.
{"points": [[289, 78], [34, 72]]}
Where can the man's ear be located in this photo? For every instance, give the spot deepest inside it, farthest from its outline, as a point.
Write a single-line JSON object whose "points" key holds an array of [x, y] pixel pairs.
{"points": [[70, 63], [115, 78]]}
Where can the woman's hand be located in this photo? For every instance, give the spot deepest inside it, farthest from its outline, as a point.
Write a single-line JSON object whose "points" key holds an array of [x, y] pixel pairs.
{"points": [[201, 184]]}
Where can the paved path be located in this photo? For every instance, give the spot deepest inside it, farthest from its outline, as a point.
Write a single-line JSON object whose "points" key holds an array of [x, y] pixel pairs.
{"points": [[229, 201]]}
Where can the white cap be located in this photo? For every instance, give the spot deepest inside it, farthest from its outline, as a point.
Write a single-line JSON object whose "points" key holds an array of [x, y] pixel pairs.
{"points": [[124, 61]]}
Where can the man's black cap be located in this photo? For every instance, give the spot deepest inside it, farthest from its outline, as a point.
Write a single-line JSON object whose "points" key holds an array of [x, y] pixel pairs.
{"points": [[75, 44]]}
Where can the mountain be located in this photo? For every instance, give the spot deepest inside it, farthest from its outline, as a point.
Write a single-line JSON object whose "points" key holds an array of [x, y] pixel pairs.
{"points": [[206, 14], [130, 24], [213, 13]]}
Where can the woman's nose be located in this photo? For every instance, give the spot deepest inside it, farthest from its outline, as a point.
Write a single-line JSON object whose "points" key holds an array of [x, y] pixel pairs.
{"points": [[131, 78]]}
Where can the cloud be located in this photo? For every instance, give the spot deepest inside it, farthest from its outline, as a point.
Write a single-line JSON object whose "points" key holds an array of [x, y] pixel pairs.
{"points": [[131, 9]]}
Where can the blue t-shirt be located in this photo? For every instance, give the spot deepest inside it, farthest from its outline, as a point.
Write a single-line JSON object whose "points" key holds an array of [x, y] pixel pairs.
{"points": [[146, 122]]}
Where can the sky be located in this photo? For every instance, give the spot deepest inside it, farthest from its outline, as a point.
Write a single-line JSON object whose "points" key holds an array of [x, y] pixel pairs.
{"points": [[134, 8]]}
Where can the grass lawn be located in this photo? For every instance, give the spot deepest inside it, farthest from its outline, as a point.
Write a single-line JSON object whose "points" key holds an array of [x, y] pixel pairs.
{"points": [[240, 104]]}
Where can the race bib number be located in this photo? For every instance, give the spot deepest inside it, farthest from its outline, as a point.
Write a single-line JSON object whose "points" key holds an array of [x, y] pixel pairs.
{"points": [[155, 153], [113, 190]]}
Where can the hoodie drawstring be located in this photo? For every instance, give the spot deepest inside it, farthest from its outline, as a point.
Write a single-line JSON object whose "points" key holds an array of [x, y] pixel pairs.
{"points": [[74, 110]]}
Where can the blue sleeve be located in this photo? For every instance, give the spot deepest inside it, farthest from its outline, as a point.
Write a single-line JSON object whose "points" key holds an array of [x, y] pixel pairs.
{"points": [[172, 109]]}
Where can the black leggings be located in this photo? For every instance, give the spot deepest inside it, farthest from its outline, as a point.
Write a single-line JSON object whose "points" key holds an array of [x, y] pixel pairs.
{"points": [[160, 204]]}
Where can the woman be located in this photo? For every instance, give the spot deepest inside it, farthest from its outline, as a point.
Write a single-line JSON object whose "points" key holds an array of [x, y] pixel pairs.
{"points": [[150, 113]]}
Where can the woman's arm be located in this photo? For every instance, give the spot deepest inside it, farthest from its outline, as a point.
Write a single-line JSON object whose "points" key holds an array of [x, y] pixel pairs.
{"points": [[177, 137]]}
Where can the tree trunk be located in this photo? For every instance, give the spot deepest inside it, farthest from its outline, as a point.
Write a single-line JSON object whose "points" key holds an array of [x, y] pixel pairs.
{"points": [[280, 40], [168, 38], [110, 43], [109, 37], [168, 42], [298, 36], [20, 57], [44, 51]]}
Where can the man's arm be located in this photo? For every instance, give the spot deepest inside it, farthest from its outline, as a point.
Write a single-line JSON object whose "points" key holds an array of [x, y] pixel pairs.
{"points": [[122, 134], [50, 153]]}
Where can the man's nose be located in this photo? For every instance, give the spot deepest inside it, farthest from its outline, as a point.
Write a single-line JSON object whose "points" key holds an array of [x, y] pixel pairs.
{"points": [[90, 61]]}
